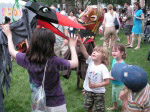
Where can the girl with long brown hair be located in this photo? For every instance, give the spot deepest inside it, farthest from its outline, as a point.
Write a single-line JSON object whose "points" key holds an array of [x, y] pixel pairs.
{"points": [[40, 59]]}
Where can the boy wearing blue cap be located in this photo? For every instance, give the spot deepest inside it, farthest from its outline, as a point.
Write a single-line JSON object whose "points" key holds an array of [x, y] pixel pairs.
{"points": [[137, 90]]}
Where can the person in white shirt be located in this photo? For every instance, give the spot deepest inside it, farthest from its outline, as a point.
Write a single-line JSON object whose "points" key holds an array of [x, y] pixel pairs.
{"points": [[61, 44], [109, 26], [97, 77]]}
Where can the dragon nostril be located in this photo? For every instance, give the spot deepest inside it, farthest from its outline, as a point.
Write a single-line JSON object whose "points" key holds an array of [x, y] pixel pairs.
{"points": [[45, 9]]}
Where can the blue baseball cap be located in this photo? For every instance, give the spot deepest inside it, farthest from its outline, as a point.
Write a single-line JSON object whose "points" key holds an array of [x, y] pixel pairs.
{"points": [[134, 77]]}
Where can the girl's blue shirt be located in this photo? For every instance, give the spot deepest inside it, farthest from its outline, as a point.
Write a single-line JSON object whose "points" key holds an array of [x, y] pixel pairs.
{"points": [[115, 82]]}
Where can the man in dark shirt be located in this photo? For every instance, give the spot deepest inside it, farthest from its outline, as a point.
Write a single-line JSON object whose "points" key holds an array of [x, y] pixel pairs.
{"points": [[128, 22]]}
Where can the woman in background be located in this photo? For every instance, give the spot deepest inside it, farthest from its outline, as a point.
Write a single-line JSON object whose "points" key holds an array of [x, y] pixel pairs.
{"points": [[137, 27], [110, 31]]}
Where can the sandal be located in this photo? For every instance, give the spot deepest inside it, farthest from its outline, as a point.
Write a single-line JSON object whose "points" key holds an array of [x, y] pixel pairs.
{"points": [[129, 46]]}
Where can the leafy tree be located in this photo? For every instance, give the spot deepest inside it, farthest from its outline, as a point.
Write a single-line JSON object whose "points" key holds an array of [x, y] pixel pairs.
{"points": [[48, 2], [119, 2]]}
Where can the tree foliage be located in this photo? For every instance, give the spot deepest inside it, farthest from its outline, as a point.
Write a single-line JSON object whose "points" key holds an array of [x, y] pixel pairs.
{"points": [[119, 2], [50, 2]]}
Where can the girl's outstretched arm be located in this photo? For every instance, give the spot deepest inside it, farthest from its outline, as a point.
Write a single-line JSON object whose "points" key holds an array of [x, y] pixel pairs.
{"points": [[83, 49], [11, 48], [74, 58]]}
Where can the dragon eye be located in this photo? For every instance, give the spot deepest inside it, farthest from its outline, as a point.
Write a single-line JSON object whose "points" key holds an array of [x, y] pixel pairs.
{"points": [[45, 9]]}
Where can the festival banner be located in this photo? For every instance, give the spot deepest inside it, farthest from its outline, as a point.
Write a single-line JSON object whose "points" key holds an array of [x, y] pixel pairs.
{"points": [[10, 10]]}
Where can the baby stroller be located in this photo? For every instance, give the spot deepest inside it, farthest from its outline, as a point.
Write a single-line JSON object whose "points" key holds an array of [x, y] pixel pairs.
{"points": [[147, 29]]}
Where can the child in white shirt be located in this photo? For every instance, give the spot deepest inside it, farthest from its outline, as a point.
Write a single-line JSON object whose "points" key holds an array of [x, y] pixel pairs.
{"points": [[97, 77]]}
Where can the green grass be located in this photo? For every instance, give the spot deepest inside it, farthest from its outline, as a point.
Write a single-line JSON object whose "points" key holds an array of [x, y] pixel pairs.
{"points": [[18, 97]]}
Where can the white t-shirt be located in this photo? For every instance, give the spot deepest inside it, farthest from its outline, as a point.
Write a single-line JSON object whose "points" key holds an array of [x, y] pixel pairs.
{"points": [[109, 19], [96, 74]]}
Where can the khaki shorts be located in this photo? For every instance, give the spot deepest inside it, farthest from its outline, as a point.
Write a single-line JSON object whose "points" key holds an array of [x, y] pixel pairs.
{"points": [[110, 33]]}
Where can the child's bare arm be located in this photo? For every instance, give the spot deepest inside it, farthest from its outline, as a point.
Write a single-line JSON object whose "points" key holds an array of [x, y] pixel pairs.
{"points": [[123, 93], [83, 49], [11, 48], [101, 84], [74, 58]]}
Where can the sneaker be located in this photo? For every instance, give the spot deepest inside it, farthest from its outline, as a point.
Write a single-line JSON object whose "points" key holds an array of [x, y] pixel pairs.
{"points": [[112, 109], [137, 47], [102, 38], [127, 44], [118, 40]]}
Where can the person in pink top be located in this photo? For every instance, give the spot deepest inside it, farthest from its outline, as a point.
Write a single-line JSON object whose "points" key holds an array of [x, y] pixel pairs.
{"points": [[71, 29]]}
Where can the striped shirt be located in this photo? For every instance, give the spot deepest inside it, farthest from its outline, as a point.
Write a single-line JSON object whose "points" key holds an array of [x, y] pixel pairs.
{"points": [[139, 102]]}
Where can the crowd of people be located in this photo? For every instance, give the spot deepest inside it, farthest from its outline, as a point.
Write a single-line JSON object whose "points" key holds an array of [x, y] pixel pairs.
{"points": [[130, 20], [130, 88]]}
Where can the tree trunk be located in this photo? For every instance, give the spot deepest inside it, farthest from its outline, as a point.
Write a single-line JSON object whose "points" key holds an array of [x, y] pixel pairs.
{"points": [[93, 2], [142, 3], [80, 4], [70, 5]]}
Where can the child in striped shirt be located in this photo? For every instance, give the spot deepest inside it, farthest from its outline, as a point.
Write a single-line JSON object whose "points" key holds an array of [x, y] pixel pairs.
{"points": [[136, 93]]}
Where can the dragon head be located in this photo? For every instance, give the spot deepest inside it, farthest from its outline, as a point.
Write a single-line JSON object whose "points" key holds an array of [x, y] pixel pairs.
{"points": [[46, 16], [92, 17]]}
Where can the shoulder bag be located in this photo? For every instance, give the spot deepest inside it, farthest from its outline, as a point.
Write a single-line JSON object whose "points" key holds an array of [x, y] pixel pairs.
{"points": [[116, 23], [39, 99]]}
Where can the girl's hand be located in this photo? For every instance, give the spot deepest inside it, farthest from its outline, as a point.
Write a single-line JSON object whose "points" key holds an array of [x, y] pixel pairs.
{"points": [[73, 41], [137, 17], [6, 30], [74, 57], [111, 78], [92, 85]]}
